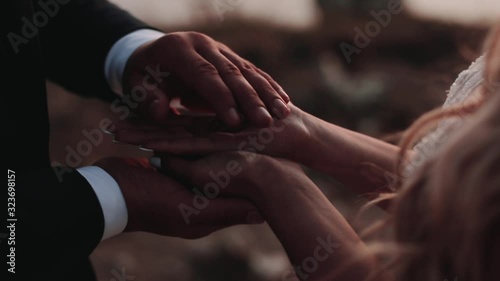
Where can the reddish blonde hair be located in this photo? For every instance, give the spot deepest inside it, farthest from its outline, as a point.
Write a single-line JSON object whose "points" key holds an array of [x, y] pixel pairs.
{"points": [[445, 218]]}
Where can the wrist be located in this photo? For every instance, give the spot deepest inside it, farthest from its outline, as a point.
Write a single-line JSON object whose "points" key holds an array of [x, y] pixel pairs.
{"points": [[119, 55], [300, 135], [275, 180], [135, 63], [284, 194], [110, 198], [329, 147]]}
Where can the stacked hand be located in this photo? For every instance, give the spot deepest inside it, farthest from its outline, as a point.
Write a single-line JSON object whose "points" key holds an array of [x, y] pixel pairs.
{"points": [[228, 161], [204, 75], [194, 151], [230, 164], [221, 162]]}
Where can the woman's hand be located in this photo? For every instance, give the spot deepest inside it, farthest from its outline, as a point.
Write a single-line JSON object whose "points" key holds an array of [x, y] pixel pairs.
{"points": [[183, 135], [357, 160], [316, 237]]}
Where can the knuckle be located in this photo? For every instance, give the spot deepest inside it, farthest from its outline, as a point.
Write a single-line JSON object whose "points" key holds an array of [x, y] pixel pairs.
{"points": [[201, 41], [203, 68], [197, 35], [250, 93], [230, 69], [175, 39], [267, 88], [222, 46], [247, 66]]}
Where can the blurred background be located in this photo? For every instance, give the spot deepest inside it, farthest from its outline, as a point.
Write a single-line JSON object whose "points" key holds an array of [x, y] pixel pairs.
{"points": [[404, 70]]}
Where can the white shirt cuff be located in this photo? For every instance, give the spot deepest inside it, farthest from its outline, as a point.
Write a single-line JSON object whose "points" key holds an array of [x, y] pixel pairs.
{"points": [[120, 52], [110, 197]]}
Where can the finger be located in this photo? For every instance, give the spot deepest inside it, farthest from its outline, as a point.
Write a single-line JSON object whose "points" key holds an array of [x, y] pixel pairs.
{"points": [[274, 84], [246, 96], [216, 142], [209, 84], [272, 99], [140, 136], [189, 121], [139, 124], [223, 212], [180, 128], [186, 96], [147, 100], [180, 168], [172, 121]]}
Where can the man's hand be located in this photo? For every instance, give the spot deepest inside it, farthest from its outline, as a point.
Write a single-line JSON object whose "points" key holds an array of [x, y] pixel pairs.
{"points": [[153, 201], [240, 174], [202, 71]]}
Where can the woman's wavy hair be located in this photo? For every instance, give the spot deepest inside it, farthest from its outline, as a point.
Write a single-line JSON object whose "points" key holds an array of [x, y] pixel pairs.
{"points": [[444, 219]]}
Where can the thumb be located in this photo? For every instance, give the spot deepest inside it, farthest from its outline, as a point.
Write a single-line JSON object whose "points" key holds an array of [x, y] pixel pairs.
{"points": [[149, 101], [156, 106]]}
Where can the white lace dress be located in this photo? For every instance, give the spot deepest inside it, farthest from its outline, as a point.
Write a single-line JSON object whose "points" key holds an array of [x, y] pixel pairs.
{"points": [[464, 87]]}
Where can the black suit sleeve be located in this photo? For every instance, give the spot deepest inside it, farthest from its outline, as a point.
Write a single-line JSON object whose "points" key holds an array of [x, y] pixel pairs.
{"points": [[59, 219], [60, 224], [76, 41]]}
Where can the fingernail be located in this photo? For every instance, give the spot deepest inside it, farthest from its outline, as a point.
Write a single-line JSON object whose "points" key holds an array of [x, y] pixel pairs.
{"points": [[107, 132], [263, 115], [280, 109], [155, 162], [117, 142], [145, 149], [233, 116], [286, 96], [254, 218]]}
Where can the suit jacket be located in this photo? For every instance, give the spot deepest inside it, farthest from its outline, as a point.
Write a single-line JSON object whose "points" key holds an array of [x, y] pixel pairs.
{"points": [[59, 220]]}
